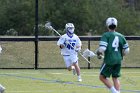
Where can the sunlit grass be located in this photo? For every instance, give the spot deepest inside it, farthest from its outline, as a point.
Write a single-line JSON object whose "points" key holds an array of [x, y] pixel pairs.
{"points": [[22, 55], [62, 81]]}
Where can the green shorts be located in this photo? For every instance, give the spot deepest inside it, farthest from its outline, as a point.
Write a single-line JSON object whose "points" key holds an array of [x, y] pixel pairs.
{"points": [[110, 70]]}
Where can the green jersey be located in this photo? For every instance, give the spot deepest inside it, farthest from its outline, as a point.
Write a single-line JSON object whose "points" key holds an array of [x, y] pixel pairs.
{"points": [[114, 43]]}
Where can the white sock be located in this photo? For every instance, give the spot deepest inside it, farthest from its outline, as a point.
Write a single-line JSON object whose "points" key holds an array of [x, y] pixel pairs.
{"points": [[113, 90], [79, 77]]}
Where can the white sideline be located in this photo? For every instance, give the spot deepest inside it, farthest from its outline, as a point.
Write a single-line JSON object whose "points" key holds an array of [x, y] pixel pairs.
{"points": [[28, 91], [56, 81]]}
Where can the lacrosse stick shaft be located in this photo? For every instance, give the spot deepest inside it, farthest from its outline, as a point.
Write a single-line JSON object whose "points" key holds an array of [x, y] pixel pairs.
{"points": [[56, 31], [84, 57]]}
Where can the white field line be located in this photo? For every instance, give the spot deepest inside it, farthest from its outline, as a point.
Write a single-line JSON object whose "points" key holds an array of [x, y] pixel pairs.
{"points": [[67, 73], [130, 72], [55, 81], [40, 91], [24, 72], [97, 74], [72, 74], [89, 74], [93, 72]]}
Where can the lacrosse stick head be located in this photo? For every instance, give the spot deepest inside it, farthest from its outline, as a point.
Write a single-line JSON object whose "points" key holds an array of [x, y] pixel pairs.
{"points": [[88, 53], [48, 25]]}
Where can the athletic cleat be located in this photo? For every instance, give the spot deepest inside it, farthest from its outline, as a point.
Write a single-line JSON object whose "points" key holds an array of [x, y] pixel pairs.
{"points": [[2, 89]]}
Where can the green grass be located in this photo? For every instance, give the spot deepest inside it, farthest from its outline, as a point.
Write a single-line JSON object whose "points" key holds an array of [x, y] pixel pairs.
{"points": [[62, 81], [21, 55]]}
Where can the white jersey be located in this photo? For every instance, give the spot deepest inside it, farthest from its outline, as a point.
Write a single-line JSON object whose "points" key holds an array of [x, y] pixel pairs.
{"points": [[66, 41]]}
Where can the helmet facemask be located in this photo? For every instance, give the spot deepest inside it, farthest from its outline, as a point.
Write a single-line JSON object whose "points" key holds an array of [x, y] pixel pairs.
{"points": [[70, 28]]}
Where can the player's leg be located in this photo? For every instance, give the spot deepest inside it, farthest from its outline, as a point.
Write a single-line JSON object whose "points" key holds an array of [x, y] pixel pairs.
{"points": [[77, 68], [71, 67], [106, 81], [73, 70], [115, 75], [108, 84], [68, 62], [74, 60], [104, 74], [116, 84]]}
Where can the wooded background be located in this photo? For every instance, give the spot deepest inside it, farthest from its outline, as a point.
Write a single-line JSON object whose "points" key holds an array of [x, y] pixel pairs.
{"points": [[17, 17]]}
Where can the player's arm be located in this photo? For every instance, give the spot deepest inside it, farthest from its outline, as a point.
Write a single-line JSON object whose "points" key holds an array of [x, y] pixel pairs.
{"points": [[100, 52], [78, 45], [61, 46], [61, 42], [78, 48], [126, 49], [102, 47]]}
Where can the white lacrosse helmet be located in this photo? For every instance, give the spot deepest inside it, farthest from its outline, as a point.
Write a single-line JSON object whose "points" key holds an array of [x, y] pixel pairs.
{"points": [[111, 21], [69, 28]]}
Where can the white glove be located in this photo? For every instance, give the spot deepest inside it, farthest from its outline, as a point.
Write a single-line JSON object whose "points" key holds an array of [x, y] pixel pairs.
{"points": [[99, 55], [62, 42], [78, 49]]}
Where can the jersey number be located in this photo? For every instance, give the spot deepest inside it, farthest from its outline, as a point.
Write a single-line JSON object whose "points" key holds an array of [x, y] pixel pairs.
{"points": [[115, 43], [71, 46]]}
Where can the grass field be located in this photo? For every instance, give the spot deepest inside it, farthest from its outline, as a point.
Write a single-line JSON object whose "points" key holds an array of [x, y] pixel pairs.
{"points": [[21, 55], [62, 81]]}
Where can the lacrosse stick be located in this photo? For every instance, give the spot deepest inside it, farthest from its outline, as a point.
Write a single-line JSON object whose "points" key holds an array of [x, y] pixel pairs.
{"points": [[88, 53], [48, 26]]}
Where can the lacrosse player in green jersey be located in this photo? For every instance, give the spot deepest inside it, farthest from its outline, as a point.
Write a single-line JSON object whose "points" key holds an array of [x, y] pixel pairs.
{"points": [[114, 46]]}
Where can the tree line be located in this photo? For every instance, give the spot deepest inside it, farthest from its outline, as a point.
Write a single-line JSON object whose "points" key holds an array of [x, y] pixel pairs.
{"points": [[17, 17]]}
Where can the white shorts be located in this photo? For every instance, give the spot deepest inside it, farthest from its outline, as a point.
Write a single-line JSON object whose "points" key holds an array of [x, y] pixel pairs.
{"points": [[69, 60]]}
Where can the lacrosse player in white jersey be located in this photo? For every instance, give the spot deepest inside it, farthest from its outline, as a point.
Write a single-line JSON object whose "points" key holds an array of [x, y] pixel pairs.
{"points": [[70, 45]]}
